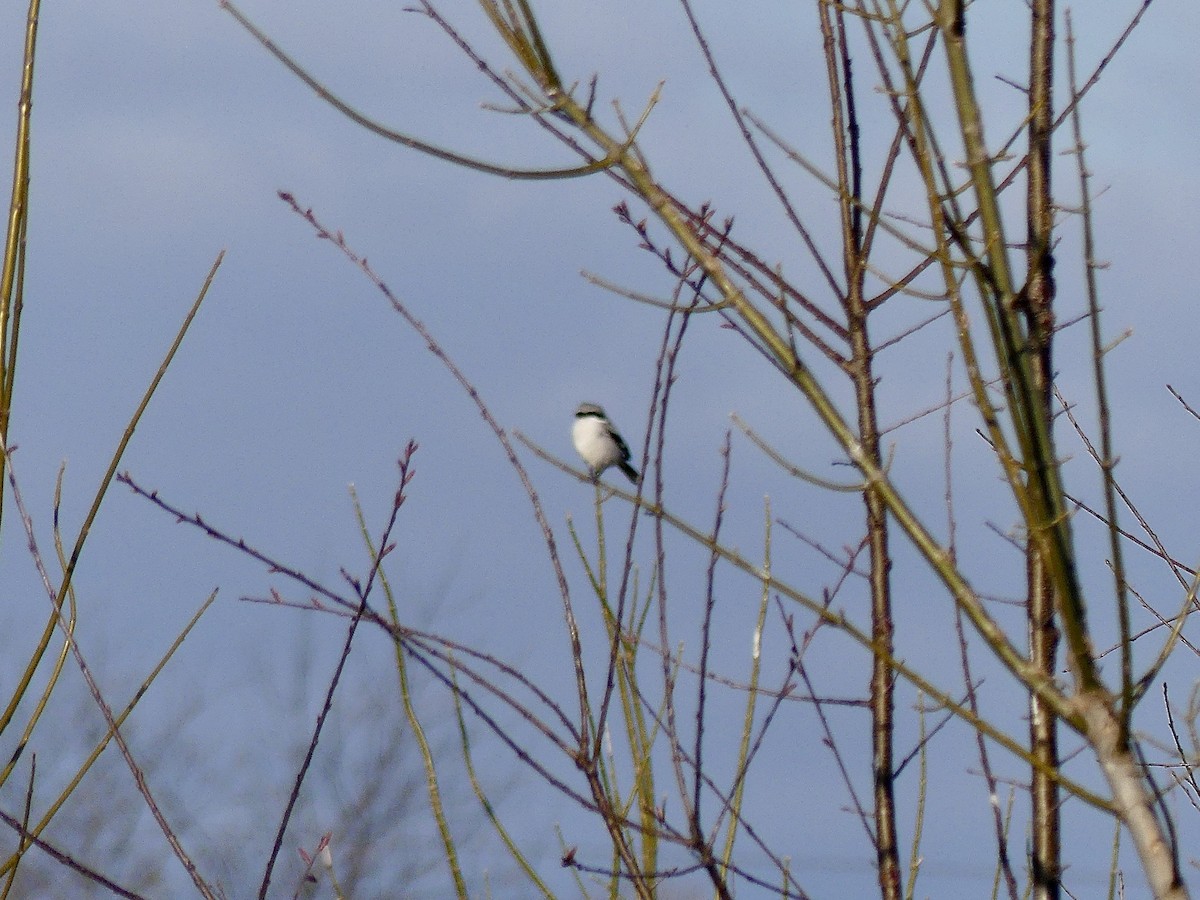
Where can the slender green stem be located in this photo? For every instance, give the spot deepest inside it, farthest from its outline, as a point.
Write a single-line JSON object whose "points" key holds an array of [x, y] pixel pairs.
{"points": [[1049, 523], [12, 267], [735, 800], [432, 786], [119, 719]]}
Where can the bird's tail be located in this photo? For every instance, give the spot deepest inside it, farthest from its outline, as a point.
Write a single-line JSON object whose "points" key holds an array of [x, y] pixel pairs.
{"points": [[630, 472]]}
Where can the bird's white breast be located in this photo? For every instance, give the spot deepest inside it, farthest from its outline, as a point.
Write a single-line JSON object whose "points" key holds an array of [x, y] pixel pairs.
{"points": [[594, 442]]}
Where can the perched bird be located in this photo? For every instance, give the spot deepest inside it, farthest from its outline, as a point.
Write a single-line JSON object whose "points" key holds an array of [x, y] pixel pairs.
{"points": [[599, 444]]}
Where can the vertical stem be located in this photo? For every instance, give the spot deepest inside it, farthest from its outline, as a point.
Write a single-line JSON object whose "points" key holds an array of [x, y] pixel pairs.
{"points": [[1043, 736], [1039, 310], [12, 265], [882, 628], [1017, 351], [846, 145]]}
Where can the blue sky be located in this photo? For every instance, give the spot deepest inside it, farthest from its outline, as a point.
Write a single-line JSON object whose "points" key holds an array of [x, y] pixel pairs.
{"points": [[161, 136]]}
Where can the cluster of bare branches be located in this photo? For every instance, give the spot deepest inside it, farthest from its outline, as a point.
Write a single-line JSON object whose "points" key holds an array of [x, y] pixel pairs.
{"points": [[636, 746]]}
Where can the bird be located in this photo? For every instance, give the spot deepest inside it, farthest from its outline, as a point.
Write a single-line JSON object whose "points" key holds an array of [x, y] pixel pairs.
{"points": [[599, 443]]}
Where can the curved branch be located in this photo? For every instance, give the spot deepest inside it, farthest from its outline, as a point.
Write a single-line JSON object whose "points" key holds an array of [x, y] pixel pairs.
{"points": [[479, 165]]}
